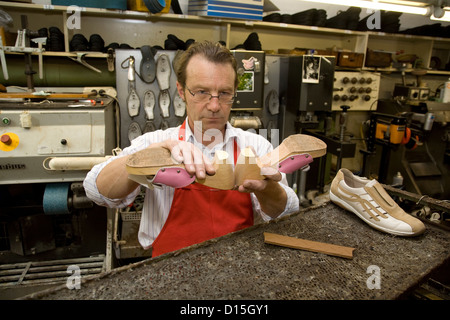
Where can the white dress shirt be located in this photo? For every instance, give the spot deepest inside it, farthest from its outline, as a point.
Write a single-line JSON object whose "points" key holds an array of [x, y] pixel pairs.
{"points": [[157, 201]]}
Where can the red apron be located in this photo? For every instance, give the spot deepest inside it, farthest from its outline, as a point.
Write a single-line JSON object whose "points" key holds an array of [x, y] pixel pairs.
{"points": [[200, 213]]}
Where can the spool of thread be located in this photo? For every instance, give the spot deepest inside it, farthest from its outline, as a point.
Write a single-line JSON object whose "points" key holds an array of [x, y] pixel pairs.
{"points": [[56, 196]]}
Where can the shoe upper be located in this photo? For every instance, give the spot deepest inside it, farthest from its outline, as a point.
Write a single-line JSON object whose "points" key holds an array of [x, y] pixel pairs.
{"points": [[373, 204]]}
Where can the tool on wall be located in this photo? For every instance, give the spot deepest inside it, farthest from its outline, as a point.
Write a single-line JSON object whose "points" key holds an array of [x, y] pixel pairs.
{"points": [[40, 42]]}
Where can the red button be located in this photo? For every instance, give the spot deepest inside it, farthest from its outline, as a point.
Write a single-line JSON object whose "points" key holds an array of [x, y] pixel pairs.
{"points": [[6, 139]]}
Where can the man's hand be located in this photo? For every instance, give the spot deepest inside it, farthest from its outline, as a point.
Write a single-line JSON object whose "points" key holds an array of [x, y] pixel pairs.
{"points": [[258, 185], [271, 196], [195, 162]]}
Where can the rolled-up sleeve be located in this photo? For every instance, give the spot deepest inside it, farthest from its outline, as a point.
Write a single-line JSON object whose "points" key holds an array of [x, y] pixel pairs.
{"points": [[140, 143], [90, 187], [264, 147], [292, 203]]}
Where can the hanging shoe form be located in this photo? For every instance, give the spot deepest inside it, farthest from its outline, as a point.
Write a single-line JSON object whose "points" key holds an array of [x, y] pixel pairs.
{"points": [[147, 69], [179, 105], [134, 131], [149, 104], [149, 127], [133, 102], [164, 103], [163, 71], [164, 124]]}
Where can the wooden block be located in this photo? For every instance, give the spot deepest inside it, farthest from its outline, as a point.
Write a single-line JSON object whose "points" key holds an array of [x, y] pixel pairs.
{"points": [[314, 246], [224, 177], [247, 167]]}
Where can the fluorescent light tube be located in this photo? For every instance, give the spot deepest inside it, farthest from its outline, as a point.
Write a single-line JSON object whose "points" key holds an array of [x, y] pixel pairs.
{"points": [[377, 6], [446, 17]]}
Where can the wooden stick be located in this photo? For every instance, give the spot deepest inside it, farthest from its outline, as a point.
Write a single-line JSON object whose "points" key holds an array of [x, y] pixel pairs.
{"points": [[313, 246]]}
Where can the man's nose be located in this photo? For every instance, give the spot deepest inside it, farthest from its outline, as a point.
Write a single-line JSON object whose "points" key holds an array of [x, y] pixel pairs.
{"points": [[213, 104]]}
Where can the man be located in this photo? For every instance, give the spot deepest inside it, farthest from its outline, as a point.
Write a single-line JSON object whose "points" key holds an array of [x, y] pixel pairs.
{"points": [[176, 218]]}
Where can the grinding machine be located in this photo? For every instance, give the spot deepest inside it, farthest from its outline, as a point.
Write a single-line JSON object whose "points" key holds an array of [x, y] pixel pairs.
{"points": [[49, 141]]}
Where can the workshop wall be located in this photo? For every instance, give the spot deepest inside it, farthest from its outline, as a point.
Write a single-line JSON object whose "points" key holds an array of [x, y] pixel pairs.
{"points": [[139, 32]]}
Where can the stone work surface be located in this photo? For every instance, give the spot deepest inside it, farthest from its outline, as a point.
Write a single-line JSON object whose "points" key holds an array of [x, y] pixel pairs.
{"points": [[241, 266]]}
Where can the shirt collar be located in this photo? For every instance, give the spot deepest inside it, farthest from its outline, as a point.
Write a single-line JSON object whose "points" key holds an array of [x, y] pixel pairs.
{"points": [[230, 133]]}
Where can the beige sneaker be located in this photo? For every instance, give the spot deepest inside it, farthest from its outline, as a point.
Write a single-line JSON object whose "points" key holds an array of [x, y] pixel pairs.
{"points": [[370, 202]]}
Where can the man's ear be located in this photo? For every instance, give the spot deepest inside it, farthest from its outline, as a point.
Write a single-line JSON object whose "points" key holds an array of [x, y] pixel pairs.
{"points": [[180, 90]]}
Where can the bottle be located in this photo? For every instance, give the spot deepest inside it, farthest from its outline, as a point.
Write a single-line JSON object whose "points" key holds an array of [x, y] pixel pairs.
{"points": [[397, 180]]}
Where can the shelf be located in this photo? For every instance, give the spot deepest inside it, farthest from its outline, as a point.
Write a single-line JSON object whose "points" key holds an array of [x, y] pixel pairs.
{"points": [[409, 70], [125, 14], [88, 54], [402, 36], [273, 35]]}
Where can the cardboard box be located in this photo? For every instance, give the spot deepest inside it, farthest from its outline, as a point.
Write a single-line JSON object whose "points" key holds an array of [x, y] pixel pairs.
{"points": [[350, 59], [238, 9], [107, 4], [378, 59]]}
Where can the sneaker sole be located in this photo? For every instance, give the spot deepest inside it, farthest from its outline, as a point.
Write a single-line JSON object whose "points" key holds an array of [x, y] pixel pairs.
{"points": [[348, 207]]}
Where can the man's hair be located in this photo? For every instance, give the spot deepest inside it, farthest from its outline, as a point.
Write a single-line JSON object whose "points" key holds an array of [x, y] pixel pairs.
{"points": [[213, 52]]}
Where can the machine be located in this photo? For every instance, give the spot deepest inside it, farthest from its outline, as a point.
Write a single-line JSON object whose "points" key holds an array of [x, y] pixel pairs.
{"points": [[258, 106], [357, 89], [309, 100], [421, 155], [48, 143]]}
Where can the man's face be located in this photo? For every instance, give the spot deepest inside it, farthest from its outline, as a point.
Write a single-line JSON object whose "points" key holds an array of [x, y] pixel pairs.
{"points": [[206, 76]]}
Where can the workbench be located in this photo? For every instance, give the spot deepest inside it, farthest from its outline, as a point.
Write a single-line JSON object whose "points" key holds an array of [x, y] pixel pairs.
{"points": [[241, 266]]}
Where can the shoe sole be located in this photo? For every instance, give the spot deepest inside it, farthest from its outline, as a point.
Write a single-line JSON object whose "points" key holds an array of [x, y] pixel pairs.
{"points": [[348, 207]]}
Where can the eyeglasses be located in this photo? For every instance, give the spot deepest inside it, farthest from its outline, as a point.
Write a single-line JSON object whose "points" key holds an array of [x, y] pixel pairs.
{"points": [[201, 96]]}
